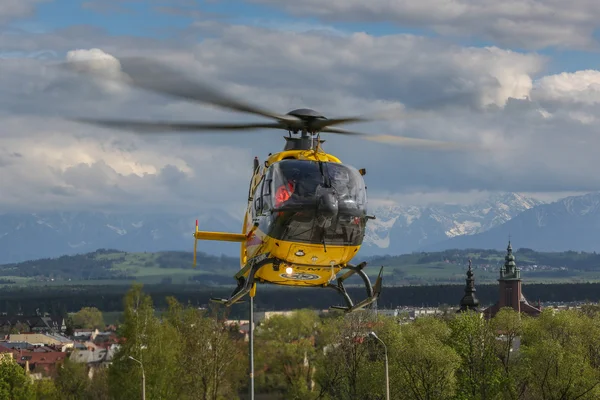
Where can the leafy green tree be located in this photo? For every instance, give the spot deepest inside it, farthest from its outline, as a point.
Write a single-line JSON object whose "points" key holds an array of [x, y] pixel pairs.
{"points": [[508, 323], [347, 367], [556, 356], [480, 373], [14, 383], [147, 339], [98, 389], [69, 329], [425, 365], [71, 380], [211, 363], [591, 310], [555, 372], [88, 318], [45, 389], [287, 354], [592, 338], [19, 328]]}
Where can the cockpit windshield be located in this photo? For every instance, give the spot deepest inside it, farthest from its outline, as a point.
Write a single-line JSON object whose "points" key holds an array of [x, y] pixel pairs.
{"points": [[299, 183], [315, 202]]}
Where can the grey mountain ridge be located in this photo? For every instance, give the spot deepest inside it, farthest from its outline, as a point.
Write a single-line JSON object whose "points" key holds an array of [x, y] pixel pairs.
{"points": [[400, 230], [572, 223], [52, 234], [569, 224]]}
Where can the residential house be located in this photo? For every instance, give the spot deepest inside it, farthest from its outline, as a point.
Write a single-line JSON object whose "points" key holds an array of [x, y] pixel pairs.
{"points": [[94, 359], [33, 323], [43, 339]]}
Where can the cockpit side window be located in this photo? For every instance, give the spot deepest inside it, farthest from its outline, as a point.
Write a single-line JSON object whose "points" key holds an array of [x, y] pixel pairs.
{"points": [[258, 199], [266, 191]]}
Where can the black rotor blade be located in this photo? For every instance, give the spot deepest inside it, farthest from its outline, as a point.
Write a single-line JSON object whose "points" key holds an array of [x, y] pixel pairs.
{"points": [[407, 141], [396, 113], [153, 127], [155, 76], [320, 124]]}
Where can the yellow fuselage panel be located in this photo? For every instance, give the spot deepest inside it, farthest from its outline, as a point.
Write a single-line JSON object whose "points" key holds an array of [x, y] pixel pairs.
{"points": [[302, 155], [309, 264], [303, 275], [299, 253]]}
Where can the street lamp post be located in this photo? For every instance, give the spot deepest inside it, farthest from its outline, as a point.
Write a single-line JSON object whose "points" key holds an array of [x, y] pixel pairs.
{"points": [[387, 372], [143, 378]]}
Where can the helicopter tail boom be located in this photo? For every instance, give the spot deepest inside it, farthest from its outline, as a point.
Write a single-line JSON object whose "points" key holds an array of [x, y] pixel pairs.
{"points": [[218, 236]]}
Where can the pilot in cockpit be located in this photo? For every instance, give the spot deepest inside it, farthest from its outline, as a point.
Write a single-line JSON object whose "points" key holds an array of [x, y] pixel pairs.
{"points": [[285, 191]]}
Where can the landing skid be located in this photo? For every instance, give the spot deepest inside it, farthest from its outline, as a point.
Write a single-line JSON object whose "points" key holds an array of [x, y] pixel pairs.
{"points": [[372, 292], [245, 286]]}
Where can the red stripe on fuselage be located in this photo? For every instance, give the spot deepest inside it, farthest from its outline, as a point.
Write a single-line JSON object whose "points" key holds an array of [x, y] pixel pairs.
{"points": [[254, 241]]}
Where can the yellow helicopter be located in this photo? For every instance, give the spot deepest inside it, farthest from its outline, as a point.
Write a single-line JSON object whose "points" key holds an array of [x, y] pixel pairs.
{"points": [[306, 212]]}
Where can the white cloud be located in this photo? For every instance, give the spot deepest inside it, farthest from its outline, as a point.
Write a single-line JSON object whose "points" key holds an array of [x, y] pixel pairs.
{"points": [[572, 87], [99, 63], [48, 163], [531, 24], [53, 169], [411, 68]]}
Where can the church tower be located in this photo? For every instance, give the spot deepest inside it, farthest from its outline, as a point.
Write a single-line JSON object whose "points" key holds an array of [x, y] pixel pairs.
{"points": [[510, 282], [469, 301], [510, 291]]}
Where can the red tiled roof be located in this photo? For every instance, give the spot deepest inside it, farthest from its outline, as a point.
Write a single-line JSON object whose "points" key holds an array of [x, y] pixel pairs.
{"points": [[39, 358]]}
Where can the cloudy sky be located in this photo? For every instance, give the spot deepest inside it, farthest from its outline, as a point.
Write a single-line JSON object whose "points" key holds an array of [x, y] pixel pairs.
{"points": [[516, 78]]}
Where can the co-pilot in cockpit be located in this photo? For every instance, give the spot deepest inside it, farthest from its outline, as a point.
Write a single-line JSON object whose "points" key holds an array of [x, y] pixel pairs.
{"points": [[316, 202]]}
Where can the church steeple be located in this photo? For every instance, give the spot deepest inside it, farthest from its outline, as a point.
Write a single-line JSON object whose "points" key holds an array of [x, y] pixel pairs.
{"points": [[469, 301], [511, 294], [510, 271]]}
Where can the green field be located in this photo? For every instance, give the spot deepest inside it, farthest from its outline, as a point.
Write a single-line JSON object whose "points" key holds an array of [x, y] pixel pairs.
{"points": [[108, 267]]}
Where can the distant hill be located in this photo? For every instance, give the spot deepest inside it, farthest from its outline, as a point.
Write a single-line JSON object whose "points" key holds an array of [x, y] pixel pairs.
{"points": [[114, 267], [52, 234], [572, 223]]}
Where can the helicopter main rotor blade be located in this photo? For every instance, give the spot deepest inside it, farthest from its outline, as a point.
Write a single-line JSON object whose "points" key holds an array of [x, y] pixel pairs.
{"points": [[396, 113], [407, 141], [152, 75], [153, 127]]}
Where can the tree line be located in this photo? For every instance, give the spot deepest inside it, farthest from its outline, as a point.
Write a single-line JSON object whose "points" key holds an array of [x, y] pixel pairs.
{"points": [[62, 299], [581, 261], [189, 353]]}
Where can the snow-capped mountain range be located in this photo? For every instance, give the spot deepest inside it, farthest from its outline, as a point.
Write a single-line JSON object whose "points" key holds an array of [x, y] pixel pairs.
{"points": [[572, 223], [401, 229]]}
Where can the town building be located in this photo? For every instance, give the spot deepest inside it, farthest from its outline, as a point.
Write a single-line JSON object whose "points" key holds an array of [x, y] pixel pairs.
{"points": [[32, 323]]}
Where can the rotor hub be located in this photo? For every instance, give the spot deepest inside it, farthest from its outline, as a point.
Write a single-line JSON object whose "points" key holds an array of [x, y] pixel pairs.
{"points": [[306, 115]]}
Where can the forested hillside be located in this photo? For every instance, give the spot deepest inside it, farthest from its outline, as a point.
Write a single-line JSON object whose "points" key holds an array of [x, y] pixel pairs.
{"points": [[116, 267]]}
